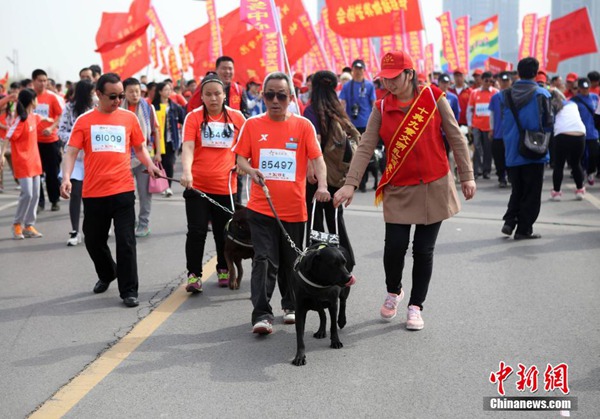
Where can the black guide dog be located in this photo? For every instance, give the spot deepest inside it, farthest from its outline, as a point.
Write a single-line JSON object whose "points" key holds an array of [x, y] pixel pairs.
{"points": [[322, 278], [238, 245]]}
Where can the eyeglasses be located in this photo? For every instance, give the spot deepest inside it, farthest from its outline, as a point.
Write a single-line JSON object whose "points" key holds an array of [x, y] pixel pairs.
{"points": [[271, 95], [115, 96]]}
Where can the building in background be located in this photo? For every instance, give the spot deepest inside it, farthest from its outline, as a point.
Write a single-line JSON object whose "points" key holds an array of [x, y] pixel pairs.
{"points": [[508, 12], [584, 63]]}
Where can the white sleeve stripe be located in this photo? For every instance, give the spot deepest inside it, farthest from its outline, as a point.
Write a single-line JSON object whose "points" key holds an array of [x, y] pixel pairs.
{"points": [[13, 127]]}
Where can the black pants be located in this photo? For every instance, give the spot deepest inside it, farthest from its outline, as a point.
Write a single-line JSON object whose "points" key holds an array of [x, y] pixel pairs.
{"points": [[397, 237], [51, 158], [526, 196], [273, 262], [592, 151], [568, 148], [75, 203], [499, 158], [326, 209], [198, 211], [98, 215], [168, 160]]}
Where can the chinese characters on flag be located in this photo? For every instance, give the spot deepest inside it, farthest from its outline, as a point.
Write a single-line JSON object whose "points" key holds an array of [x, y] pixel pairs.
{"points": [[261, 15], [572, 35], [541, 40], [119, 28], [462, 32], [448, 41], [128, 58], [528, 40], [215, 49]]}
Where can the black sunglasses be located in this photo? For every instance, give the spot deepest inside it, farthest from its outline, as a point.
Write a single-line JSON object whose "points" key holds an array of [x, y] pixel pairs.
{"points": [[115, 96], [271, 95]]}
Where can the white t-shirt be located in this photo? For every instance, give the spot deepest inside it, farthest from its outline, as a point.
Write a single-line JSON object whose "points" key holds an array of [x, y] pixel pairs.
{"points": [[568, 120]]}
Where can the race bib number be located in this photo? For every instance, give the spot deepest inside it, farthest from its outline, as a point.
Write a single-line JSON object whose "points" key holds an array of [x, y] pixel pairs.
{"points": [[278, 164], [42, 109], [108, 138], [217, 135], [482, 109]]}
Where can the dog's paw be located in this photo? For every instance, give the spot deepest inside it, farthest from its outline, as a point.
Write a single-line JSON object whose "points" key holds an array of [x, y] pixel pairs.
{"points": [[320, 334], [234, 285], [336, 344], [299, 360], [341, 322]]}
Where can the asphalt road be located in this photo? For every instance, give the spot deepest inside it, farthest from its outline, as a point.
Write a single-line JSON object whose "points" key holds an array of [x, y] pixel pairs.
{"points": [[491, 299]]}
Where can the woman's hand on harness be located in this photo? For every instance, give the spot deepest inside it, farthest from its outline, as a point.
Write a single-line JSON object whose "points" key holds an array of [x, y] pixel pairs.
{"points": [[344, 194], [186, 180], [468, 189]]}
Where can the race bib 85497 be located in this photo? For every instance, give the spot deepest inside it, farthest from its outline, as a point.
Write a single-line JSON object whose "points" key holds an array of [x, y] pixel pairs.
{"points": [[276, 164], [108, 138]]}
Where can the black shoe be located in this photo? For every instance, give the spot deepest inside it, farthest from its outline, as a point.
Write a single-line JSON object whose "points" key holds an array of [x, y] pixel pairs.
{"points": [[55, 207], [100, 287], [486, 175], [527, 236], [507, 229], [131, 301], [502, 184]]}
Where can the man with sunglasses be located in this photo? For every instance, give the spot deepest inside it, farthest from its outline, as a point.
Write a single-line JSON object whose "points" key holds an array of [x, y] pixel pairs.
{"points": [[279, 145], [107, 134], [478, 117]]}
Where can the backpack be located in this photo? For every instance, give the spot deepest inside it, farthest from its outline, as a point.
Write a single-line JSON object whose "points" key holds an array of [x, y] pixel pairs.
{"points": [[338, 152]]}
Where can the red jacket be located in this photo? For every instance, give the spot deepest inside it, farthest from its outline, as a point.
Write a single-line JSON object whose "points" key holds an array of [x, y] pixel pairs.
{"points": [[427, 160], [463, 101]]}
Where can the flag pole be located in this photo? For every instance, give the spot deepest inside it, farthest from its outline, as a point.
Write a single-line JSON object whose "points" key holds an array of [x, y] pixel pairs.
{"points": [[286, 63]]}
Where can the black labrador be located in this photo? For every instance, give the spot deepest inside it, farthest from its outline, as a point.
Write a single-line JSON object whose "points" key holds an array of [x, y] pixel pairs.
{"points": [[322, 278], [238, 245]]}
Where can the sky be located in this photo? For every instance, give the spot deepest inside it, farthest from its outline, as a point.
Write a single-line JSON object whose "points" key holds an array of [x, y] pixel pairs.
{"points": [[60, 36]]}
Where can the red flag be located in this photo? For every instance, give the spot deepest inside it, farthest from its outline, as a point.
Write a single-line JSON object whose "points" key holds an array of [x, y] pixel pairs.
{"points": [[173, 67], [462, 41], [159, 30], [183, 56], [215, 49], [386, 45], [118, 28], [4, 79], [154, 52], [333, 43], [429, 63], [368, 18], [128, 58], [448, 41], [572, 35], [165, 68], [541, 40], [415, 45], [528, 40], [496, 66]]}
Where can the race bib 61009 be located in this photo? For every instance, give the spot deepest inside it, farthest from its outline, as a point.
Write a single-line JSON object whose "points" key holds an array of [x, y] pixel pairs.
{"points": [[217, 135], [108, 138], [276, 164]]}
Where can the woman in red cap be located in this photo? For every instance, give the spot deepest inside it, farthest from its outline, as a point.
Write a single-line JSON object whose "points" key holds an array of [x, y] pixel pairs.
{"points": [[417, 187]]}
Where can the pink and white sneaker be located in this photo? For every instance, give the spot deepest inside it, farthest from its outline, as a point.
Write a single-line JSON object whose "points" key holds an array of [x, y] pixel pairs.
{"points": [[579, 194], [389, 309], [414, 321], [555, 196]]}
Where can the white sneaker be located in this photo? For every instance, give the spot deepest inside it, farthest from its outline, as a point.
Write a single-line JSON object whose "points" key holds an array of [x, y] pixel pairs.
{"points": [[263, 327], [168, 193], [389, 309], [75, 239], [579, 194], [414, 321], [289, 316]]}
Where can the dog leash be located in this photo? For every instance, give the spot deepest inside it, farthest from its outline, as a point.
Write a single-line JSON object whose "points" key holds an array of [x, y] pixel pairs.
{"points": [[198, 191]]}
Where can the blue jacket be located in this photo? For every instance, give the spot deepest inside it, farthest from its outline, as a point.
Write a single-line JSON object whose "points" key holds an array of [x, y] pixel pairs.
{"points": [[535, 114], [453, 100], [587, 107], [497, 112]]}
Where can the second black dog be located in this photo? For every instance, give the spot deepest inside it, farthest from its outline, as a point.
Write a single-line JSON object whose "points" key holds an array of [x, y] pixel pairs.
{"points": [[238, 245], [322, 278]]}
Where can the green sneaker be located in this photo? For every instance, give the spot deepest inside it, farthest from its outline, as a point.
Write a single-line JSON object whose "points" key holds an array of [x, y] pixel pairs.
{"points": [[223, 277], [194, 284]]}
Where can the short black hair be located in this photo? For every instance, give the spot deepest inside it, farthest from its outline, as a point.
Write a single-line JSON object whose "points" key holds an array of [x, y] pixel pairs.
{"points": [[151, 85], [593, 75], [223, 59], [95, 69], [189, 82], [486, 75], [168, 81], [554, 78], [38, 72], [107, 78], [528, 68], [346, 70], [131, 81], [25, 82], [14, 85]]}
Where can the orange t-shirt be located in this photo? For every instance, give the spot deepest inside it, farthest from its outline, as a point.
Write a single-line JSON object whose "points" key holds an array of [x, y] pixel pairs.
{"points": [[280, 150], [213, 158], [4, 122], [48, 107], [480, 101], [24, 147], [178, 99], [106, 140]]}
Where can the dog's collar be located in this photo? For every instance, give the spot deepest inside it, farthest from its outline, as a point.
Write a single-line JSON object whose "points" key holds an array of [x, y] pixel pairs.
{"points": [[231, 237], [309, 282]]}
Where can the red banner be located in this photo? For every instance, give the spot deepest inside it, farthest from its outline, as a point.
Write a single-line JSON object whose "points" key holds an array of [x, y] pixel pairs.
{"points": [[164, 69], [184, 57], [415, 45], [448, 41], [128, 58], [215, 49], [173, 67], [333, 41], [386, 45], [528, 40], [371, 18], [159, 30], [462, 41], [154, 53], [541, 40], [429, 63], [312, 37], [496, 66], [572, 35], [118, 28]]}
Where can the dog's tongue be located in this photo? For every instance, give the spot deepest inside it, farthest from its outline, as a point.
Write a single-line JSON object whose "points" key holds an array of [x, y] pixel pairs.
{"points": [[351, 282]]}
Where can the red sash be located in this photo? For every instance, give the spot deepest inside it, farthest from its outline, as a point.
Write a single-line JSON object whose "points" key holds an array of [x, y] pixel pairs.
{"points": [[406, 136]]}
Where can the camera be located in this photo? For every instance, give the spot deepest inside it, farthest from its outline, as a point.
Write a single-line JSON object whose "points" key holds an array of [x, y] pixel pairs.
{"points": [[354, 109]]}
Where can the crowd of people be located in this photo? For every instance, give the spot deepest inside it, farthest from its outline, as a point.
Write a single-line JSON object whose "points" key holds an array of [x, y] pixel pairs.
{"points": [[311, 141]]}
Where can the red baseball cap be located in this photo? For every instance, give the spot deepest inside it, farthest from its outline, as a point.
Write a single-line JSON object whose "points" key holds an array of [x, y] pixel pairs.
{"points": [[572, 77], [459, 70], [478, 72], [254, 80], [422, 77], [394, 63], [541, 77]]}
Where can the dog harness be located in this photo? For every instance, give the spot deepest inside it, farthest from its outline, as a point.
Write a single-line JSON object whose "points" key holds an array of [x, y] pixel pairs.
{"points": [[231, 237], [308, 281]]}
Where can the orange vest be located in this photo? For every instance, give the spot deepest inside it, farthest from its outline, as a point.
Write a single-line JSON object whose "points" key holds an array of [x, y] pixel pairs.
{"points": [[427, 161]]}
